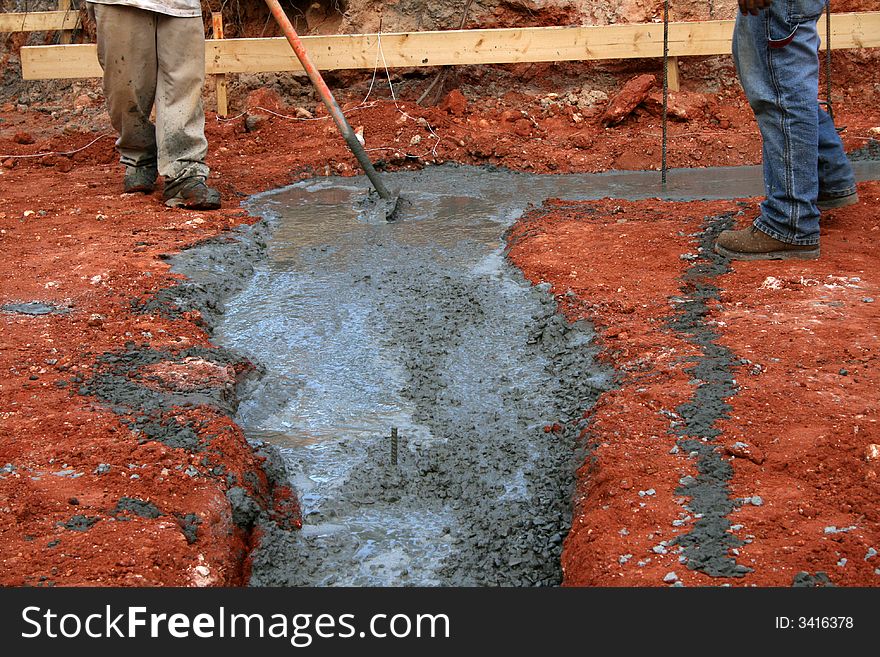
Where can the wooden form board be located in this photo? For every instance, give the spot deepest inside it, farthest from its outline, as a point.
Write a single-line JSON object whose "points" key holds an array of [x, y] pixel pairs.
{"points": [[455, 47], [39, 21]]}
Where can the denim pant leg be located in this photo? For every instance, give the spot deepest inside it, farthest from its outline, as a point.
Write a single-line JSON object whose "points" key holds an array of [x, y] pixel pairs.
{"points": [[776, 55], [836, 177]]}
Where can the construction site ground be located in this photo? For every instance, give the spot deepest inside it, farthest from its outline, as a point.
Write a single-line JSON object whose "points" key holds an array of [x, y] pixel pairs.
{"points": [[91, 496]]}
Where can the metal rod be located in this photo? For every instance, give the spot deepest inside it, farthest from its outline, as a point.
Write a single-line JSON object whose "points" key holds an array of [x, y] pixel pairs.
{"points": [[394, 446], [441, 76], [828, 60], [665, 89], [327, 96]]}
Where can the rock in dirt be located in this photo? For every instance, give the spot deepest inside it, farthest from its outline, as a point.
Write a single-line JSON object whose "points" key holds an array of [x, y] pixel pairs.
{"points": [[454, 103], [872, 452], [64, 164], [253, 122], [265, 98], [745, 451], [632, 94], [82, 101], [23, 138], [582, 141], [523, 127], [511, 116], [631, 159], [681, 106]]}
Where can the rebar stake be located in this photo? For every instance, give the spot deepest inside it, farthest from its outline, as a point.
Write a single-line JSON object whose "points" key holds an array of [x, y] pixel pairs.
{"points": [[828, 61], [394, 446], [663, 165]]}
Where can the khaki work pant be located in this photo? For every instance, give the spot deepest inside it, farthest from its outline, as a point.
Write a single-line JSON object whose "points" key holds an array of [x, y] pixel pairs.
{"points": [[150, 58]]}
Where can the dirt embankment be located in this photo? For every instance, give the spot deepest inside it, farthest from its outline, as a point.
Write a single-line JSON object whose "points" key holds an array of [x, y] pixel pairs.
{"points": [[742, 444], [121, 464]]}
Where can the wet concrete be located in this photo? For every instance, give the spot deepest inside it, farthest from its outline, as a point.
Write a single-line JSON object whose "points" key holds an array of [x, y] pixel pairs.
{"points": [[423, 326], [870, 151], [420, 325], [141, 508], [33, 308]]}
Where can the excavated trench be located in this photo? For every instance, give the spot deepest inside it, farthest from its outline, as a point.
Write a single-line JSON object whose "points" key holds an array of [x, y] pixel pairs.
{"points": [[422, 326]]}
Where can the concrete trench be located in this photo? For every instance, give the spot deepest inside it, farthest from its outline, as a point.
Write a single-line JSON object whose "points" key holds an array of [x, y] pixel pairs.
{"points": [[420, 325]]}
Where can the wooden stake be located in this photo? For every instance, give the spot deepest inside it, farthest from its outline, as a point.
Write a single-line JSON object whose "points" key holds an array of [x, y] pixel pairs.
{"points": [[673, 75], [220, 78], [66, 35]]}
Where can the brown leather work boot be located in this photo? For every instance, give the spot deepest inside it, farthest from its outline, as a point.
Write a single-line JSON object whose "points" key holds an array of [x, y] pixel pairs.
{"points": [[751, 244]]}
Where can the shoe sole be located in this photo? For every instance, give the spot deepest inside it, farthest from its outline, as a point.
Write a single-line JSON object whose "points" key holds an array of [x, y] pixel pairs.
{"points": [[140, 190], [835, 203], [807, 254], [178, 203]]}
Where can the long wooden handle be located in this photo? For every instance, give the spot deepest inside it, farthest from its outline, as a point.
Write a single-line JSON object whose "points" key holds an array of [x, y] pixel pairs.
{"points": [[329, 101]]}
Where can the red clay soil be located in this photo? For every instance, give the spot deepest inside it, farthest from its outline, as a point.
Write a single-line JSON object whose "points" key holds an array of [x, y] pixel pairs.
{"points": [[71, 239], [805, 414]]}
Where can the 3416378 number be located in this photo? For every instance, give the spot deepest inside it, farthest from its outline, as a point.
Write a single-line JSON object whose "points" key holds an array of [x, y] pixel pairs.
{"points": [[815, 623]]}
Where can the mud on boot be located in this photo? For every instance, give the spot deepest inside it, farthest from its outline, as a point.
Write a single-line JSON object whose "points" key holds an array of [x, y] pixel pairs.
{"points": [[140, 179], [193, 194], [752, 244]]}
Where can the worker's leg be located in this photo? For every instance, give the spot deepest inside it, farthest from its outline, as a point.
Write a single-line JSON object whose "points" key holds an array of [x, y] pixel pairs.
{"points": [[776, 58], [180, 115], [127, 53], [836, 178]]}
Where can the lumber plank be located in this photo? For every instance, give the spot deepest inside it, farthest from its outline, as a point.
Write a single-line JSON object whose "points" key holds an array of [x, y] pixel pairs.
{"points": [[455, 47], [39, 21]]}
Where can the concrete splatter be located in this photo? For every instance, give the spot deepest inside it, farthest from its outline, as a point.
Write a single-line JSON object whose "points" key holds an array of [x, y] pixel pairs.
{"points": [[707, 546]]}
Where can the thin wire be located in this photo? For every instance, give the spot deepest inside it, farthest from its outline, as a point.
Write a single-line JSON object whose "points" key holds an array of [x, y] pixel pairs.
{"points": [[292, 118], [690, 134], [394, 98], [375, 63], [380, 53], [65, 153]]}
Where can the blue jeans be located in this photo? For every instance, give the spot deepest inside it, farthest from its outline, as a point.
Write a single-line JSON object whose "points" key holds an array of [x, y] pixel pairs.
{"points": [[776, 56]]}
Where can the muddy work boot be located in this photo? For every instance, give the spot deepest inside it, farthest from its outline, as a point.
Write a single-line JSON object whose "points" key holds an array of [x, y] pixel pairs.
{"points": [[140, 180], [192, 194], [826, 203], [751, 244]]}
